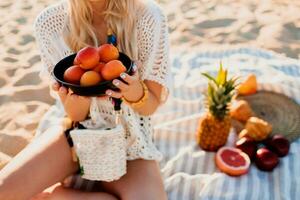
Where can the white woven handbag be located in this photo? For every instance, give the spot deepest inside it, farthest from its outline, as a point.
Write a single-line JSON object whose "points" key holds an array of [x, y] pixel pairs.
{"points": [[101, 152]]}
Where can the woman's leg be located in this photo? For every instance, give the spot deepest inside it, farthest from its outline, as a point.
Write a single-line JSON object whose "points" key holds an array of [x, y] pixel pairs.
{"points": [[142, 181], [60, 193], [44, 162]]}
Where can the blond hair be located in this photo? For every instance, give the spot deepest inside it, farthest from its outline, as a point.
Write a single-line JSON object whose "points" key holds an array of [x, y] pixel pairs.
{"points": [[120, 17]]}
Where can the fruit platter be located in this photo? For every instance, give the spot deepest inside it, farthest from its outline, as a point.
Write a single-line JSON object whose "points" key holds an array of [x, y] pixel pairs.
{"points": [[90, 71], [266, 123]]}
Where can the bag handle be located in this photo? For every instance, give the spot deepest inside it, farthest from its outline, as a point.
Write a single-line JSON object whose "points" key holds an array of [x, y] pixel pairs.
{"points": [[117, 104], [119, 114]]}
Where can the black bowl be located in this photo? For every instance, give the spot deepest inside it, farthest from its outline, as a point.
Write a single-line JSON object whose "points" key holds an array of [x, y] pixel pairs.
{"points": [[96, 90]]}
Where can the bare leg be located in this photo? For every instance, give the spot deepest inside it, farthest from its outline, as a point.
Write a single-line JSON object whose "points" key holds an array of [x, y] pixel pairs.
{"points": [[59, 193], [142, 181], [44, 162]]}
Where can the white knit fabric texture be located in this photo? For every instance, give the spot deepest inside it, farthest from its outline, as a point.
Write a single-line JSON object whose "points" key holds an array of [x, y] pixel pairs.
{"points": [[153, 47], [101, 153]]}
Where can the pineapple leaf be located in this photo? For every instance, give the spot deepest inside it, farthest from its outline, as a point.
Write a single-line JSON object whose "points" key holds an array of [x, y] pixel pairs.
{"points": [[222, 75], [220, 92], [209, 77]]}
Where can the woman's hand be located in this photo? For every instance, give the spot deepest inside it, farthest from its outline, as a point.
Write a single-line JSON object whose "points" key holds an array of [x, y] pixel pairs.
{"points": [[76, 107], [131, 89]]}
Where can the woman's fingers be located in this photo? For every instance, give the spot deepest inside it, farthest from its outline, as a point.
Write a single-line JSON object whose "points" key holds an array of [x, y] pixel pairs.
{"points": [[62, 93], [55, 86], [131, 79], [114, 94], [121, 85]]}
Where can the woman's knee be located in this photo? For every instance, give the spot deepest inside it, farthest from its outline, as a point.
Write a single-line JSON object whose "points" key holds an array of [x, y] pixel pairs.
{"points": [[28, 173]]}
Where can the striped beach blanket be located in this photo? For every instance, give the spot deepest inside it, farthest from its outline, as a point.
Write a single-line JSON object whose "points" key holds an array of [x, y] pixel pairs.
{"points": [[190, 173]]}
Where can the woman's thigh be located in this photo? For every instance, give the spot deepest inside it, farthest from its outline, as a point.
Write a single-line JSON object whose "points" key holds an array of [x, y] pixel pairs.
{"points": [[44, 162], [142, 181]]}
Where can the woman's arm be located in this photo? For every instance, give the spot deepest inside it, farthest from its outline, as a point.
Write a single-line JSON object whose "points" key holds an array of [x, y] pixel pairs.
{"points": [[132, 91], [153, 101], [76, 107]]}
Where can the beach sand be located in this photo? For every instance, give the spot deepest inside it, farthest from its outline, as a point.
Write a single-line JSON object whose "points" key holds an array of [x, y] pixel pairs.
{"points": [[24, 97]]}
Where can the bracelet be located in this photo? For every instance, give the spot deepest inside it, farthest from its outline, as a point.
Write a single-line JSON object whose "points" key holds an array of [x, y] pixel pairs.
{"points": [[142, 101]]}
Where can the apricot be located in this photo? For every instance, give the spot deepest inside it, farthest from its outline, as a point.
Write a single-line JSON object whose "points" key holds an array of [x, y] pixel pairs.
{"points": [[241, 110], [76, 61], [249, 86], [108, 52], [99, 67], [112, 70], [73, 74], [90, 78], [87, 57]]}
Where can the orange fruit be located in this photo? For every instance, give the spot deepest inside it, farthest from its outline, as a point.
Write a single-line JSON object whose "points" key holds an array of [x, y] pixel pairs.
{"points": [[87, 57], [73, 74], [112, 70], [108, 52], [249, 86], [76, 61], [232, 161], [90, 78], [99, 67], [241, 110]]}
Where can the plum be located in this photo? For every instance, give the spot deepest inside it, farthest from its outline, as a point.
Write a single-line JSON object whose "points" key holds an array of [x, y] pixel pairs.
{"points": [[265, 159], [278, 144], [248, 146]]}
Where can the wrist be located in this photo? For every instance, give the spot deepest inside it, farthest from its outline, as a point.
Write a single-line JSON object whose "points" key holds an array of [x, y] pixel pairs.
{"points": [[142, 100], [137, 95]]}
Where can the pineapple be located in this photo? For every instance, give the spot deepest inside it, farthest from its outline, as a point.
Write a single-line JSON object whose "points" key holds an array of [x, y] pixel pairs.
{"points": [[214, 126]]}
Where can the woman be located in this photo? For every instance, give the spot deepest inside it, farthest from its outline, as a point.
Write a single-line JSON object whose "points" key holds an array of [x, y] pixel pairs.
{"points": [[65, 28]]}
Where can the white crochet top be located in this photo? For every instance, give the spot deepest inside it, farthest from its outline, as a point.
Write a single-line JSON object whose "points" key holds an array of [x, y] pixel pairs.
{"points": [[153, 47]]}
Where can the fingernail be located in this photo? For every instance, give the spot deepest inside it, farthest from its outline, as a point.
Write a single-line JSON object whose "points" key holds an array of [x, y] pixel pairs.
{"points": [[109, 93], [62, 89], [123, 75], [134, 67], [116, 83]]}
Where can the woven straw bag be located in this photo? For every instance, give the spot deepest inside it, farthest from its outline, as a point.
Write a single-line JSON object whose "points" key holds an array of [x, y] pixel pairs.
{"points": [[101, 152]]}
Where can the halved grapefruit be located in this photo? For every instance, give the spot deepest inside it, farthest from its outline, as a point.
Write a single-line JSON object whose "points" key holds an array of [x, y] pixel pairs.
{"points": [[232, 161]]}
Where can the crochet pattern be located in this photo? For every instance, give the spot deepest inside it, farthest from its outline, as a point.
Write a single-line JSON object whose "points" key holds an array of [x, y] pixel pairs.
{"points": [[153, 47]]}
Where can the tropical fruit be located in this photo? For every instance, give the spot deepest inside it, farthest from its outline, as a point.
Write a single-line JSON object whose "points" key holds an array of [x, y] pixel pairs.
{"points": [[232, 161], [249, 86], [214, 126]]}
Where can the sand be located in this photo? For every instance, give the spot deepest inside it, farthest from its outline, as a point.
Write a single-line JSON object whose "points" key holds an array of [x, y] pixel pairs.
{"points": [[24, 97]]}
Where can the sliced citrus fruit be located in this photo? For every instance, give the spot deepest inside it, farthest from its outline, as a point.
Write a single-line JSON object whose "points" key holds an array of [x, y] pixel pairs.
{"points": [[248, 86], [232, 161]]}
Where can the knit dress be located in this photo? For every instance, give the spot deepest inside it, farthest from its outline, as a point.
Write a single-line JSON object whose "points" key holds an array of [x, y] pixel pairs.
{"points": [[153, 47]]}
